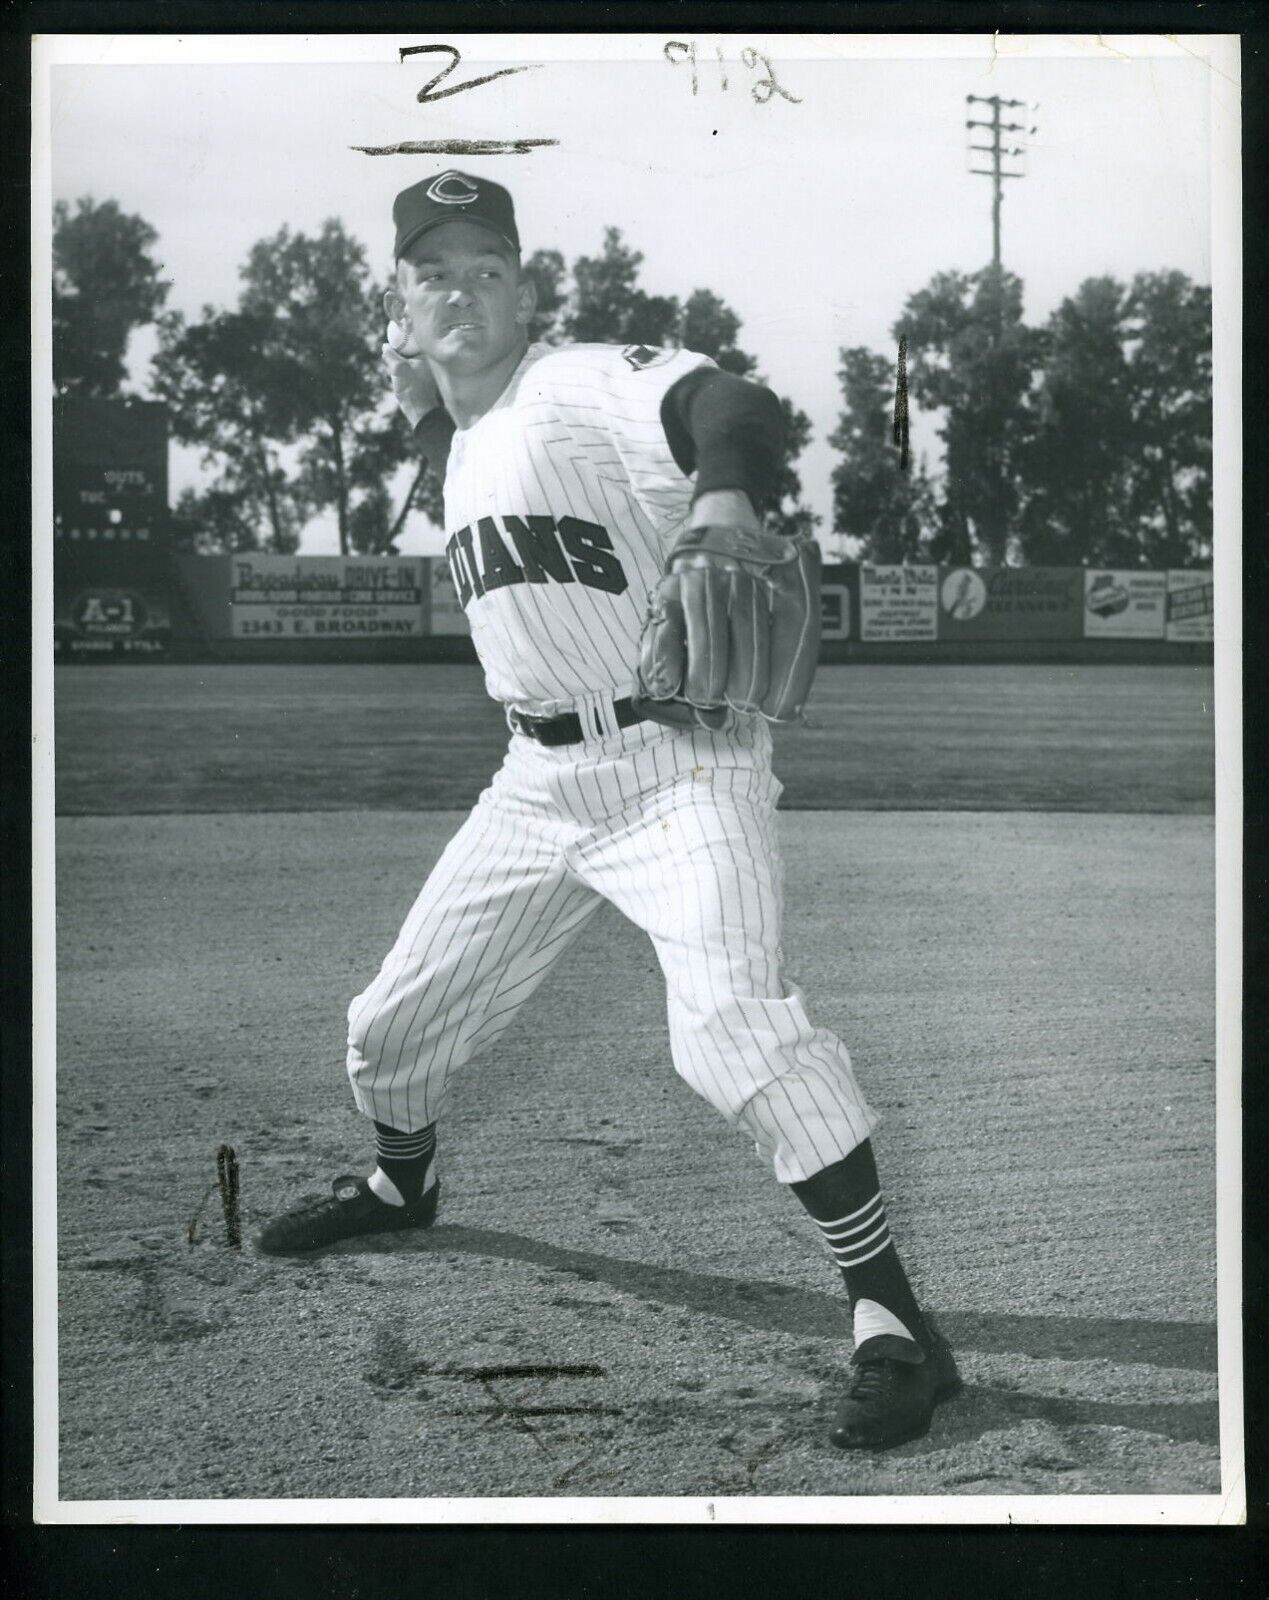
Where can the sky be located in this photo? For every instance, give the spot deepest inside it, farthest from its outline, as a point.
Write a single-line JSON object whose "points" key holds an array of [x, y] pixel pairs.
{"points": [[814, 214]]}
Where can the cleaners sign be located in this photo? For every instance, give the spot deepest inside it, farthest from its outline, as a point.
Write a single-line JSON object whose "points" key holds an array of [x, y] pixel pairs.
{"points": [[1011, 603]]}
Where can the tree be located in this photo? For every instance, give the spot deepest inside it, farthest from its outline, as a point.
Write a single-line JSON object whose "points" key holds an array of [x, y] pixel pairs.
{"points": [[1169, 353], [1076, 464], [607, 306], [295, 372], [889, 510], [710, 326], [547, 270], [216, 521], [217, 379], [1118, 469], [971, 357], [105, 284], [325, 315]]}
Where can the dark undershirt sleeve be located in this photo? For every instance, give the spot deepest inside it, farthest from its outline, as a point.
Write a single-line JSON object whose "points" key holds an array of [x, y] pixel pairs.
{"points": [[727, 430], [433, 433]]}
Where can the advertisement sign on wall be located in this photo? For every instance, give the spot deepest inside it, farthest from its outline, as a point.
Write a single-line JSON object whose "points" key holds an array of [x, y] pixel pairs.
{"points": [[1190, 606], [109, 601], [1012, 603], [837, 600], [898, 602], [1124, 605], [313, 597]]}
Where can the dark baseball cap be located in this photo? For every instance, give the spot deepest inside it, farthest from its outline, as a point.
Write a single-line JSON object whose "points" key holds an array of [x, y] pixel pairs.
{"points": [[448, 195]]}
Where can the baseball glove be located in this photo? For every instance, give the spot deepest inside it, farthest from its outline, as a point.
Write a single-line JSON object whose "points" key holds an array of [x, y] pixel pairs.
{"points": [[733, 625]]}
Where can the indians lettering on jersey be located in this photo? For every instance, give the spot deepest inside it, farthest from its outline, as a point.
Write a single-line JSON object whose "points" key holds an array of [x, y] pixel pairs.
{"points": [[570, 551], [560, 504]]}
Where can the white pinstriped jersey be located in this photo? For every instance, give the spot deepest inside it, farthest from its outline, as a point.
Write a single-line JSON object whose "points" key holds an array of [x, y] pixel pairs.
{"points": [[560, 504]]}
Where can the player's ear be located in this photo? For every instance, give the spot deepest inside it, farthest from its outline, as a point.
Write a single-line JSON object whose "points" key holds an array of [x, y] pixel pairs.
{"points": [[526, 299]]}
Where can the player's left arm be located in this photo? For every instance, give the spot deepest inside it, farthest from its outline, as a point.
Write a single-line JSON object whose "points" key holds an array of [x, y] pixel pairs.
{"points": [[727, 433], [734, 623]]}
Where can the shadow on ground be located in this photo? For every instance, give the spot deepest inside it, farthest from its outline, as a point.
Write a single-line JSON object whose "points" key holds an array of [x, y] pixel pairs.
{"points": [[782, 1308]]}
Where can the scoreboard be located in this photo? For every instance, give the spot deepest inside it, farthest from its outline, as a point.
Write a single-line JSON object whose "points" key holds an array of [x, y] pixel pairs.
{"points": [[111, 573]]}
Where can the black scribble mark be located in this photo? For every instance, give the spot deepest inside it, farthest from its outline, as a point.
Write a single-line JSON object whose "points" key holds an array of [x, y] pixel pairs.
{"points": [[191, 1233], [429, 91], [227, 1183], [583, 1369], [498, 1412], [501, 1410], [226, 1180], [901, 405], [722, 65], [455, 147], [751, 58]]}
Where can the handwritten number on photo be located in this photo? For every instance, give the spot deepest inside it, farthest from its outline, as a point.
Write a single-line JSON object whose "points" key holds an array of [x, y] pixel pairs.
{"points": [[429, 91], [677, 51], [751, 58], [689, 54]]}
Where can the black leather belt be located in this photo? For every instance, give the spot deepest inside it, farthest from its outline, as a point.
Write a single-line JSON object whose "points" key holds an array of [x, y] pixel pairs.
{"points": [[568, 728]]}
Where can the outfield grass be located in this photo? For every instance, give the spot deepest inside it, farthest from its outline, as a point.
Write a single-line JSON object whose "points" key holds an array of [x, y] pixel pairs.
{"points": [[426, 737]]}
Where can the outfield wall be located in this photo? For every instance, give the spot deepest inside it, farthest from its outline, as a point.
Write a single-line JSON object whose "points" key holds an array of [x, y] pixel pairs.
{"points": [[257, 607]]}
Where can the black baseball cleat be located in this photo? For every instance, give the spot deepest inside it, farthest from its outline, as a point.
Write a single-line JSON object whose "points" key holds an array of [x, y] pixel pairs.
{"points": [[893, 1391], [352, 1208]]}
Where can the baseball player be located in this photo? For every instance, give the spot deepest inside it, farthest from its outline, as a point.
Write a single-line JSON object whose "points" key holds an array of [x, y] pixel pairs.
{"points": [[642, 630]]}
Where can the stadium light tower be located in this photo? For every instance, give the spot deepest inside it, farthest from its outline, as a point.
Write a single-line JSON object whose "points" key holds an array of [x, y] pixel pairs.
{"points": [[1000, 153]]}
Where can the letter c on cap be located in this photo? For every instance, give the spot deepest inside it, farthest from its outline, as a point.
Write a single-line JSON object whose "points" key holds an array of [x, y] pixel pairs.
{"points": [[452, 189]]}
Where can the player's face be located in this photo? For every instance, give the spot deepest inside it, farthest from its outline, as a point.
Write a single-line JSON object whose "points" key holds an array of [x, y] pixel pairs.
{"points": [[463, 297]]}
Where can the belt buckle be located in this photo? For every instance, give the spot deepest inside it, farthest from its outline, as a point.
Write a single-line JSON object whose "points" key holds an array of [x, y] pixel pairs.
{"points": [[528, 726]]}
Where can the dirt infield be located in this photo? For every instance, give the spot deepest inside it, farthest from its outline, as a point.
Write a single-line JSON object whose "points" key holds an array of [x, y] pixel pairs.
{"points": [[617, 1299]]}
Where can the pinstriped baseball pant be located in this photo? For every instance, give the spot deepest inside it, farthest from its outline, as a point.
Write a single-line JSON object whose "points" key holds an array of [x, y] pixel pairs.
{"points": [[678, 831]]}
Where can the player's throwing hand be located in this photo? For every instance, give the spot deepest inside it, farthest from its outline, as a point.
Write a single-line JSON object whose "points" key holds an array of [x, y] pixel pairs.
{"points": [[412, 382]]}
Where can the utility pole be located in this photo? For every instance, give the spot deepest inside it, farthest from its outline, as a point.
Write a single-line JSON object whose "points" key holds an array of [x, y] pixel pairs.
{"points": [[1006, 161], [999, 153]]}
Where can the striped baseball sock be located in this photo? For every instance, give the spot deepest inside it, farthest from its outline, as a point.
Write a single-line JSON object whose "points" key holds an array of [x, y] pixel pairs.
{"points": [[845, 1200], [404, 1171]]}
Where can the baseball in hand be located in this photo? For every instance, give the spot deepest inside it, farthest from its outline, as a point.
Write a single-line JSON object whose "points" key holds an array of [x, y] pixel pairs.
{"points": [[412, 382], [401, 340]]}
